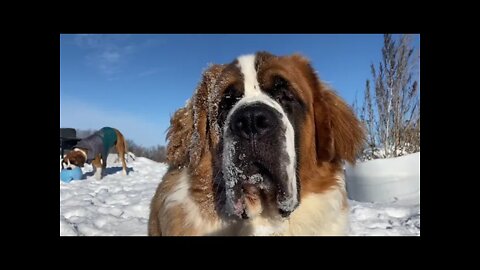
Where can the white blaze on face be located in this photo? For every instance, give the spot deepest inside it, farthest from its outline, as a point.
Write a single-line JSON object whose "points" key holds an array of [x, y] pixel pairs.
{"points": [[254, 94], [246, 64], [68, 164]]}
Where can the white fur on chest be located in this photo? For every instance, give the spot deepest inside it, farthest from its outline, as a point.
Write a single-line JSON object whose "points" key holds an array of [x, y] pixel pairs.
{"points": [[193, 217], [317, 214], [320, 214]]}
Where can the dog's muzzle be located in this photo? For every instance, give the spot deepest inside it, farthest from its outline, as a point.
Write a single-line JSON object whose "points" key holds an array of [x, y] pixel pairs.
{"points": [[256, 158], [254, 122]]}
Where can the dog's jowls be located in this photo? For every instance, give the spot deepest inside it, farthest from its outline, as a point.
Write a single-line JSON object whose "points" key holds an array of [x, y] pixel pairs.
{"points": [[258, 150]]}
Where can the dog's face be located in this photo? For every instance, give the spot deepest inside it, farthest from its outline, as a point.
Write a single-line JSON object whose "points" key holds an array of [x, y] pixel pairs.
{"points": [[259, 111], [257, 126], [74, 159]]}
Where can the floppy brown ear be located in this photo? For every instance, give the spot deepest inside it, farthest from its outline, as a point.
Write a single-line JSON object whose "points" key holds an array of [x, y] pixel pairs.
{"points": [[178, 135], [188, 134], [339, 133]]}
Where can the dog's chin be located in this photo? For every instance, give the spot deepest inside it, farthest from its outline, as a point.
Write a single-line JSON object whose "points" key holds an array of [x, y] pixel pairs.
{"points": [[255, 195]]}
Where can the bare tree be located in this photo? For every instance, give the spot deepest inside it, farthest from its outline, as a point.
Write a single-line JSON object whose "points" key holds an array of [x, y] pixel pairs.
{"points": [[392, 114]]}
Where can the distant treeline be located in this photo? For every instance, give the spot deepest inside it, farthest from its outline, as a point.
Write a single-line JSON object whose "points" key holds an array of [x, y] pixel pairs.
{"points": [[156, 153]]}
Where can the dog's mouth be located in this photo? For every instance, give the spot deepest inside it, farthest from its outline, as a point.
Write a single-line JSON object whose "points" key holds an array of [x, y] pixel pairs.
{"points": [[256, 192], [71, 166]]}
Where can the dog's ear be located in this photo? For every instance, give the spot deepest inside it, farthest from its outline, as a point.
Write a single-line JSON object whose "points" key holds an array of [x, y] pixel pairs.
{"points": [[203, 102], [188, 134], [64, 161], [178, 134], [339, 135]]}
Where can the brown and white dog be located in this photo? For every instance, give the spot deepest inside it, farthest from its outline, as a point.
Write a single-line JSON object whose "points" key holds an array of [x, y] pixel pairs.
{"points": [[258, 150], [94, 149]]}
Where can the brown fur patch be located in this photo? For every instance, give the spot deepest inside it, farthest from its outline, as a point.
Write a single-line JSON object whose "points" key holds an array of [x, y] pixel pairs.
{"points": [[122, 148], [97, 163], [171, 220], [76, 158], [338, 132], [340, 135], [180, 131], [189, 126]]}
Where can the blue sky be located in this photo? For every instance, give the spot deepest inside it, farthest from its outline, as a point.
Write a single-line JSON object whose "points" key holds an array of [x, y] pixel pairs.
{"points": [[136, 82]]}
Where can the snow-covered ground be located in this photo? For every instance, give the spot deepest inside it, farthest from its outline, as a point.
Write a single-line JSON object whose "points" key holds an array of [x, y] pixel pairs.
{"points": [[119, 205], [385, 180], [382, 219], [115, 205]]}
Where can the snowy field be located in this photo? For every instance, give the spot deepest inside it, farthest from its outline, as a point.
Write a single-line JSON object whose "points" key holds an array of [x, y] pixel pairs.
{"points": [[118, 205]]}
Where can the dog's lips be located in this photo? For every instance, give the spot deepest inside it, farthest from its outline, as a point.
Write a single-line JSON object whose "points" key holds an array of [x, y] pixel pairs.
{"points": [[257, 188], [239, 207], [252, 192]]}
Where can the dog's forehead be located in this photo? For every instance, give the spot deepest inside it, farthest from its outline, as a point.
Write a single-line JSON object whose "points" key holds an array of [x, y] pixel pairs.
{"points": [[243, 73], [73, 155], [253, 74], [246, 64]]}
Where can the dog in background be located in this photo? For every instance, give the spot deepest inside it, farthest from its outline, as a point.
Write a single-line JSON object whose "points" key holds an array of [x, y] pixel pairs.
{"points": [[94, 150]]}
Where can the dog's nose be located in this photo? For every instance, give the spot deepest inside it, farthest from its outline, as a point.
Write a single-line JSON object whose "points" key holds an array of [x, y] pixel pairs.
{"points": [[254, 121]]}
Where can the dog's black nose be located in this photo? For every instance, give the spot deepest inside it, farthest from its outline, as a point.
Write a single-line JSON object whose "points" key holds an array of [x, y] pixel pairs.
{"points": [[254, 121]]}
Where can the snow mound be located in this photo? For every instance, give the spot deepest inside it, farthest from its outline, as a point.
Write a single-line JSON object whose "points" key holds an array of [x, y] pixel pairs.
{"points": [[384, 180]]}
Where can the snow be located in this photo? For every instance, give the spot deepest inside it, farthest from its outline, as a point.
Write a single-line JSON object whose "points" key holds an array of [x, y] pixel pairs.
{"points": [[385, 180], [394, 185], [119, 205], [384, 219], [115, 205]]}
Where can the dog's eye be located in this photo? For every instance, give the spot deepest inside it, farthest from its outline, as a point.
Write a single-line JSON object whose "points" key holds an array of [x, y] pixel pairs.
{"points": [[279, 82], [286, 99], [231, 97], [286, 96], [281, 91]]}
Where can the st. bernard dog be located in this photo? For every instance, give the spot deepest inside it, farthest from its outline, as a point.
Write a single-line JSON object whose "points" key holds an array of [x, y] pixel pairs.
{"points": [[94, 149], [258, 150]]}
